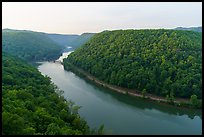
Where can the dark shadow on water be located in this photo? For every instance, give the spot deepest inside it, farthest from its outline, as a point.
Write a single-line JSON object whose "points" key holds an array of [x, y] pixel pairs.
{"points": [[144, 103], [36, 64]]}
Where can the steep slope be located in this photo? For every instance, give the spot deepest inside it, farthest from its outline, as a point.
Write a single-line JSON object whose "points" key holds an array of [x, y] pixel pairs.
{"points": [[31, 104], [29, 45], [83, 38], [196, 29], [61, 39], [161, 62], [74, 41]]}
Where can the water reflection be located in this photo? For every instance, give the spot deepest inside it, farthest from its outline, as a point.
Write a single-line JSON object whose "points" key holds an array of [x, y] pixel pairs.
{"points": [[144, 104], [120, 113]]}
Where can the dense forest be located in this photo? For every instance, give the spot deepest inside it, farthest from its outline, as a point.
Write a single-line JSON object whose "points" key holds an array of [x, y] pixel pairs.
{"points": [[29, 45], [33, 105], [162, 62], [38, 46]]}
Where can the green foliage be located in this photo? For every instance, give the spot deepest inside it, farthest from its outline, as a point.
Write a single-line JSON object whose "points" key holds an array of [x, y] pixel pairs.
{"points": [[160, 61], [170, 98], [29, 131], [31, 46], [12, 124], [62, 39], [195, 102], [74, 41], [101, 130], [144, 93], [32, 105], [53, 129], [80, 40]]}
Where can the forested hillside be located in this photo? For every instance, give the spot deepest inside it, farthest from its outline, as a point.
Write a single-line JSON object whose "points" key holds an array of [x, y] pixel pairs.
{"points": [[161, 62], [61, 39], [31, 104], [29, 45], [74, 41], [80, 40]]}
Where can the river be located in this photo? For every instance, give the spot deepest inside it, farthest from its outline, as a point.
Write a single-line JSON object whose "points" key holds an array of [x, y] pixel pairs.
{"points": [[121, 114]]}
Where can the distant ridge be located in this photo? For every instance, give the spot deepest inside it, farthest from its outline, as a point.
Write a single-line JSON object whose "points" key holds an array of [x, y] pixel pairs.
{"points": [[196, 29], [30, 45], [73, 40], [82, 39], [63, 39]]}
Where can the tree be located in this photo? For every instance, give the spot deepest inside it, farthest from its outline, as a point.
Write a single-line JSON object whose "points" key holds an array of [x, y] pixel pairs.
{"points": [[101, 130], [194, 101], [12, 124], [29, 131], [144, 93], [170, 98], [53, 129]]}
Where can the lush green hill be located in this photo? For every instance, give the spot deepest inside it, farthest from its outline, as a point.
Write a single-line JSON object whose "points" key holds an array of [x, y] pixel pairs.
{"points": [[31, 104], [79, 41], [196, 29], [63, 40], [74, 41], [161, 62], [29, 45]]}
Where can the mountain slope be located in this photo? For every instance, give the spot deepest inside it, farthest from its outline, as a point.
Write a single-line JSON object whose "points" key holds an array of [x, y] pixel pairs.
{"points": [[32, 105], [83, 38], [161, 62], [61, 39], [74, 41], [29, 45]]}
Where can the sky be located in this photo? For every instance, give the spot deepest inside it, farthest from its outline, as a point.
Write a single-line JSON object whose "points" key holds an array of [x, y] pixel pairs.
{"points": [[81, 17]]}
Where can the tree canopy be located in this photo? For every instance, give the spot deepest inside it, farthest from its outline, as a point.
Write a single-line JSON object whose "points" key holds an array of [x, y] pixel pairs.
{"points": [[33, 105], [160, 61], [29, 45]]}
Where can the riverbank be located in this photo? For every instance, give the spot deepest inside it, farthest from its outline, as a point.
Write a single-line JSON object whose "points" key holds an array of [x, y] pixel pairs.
{"points": [[179, 102]]}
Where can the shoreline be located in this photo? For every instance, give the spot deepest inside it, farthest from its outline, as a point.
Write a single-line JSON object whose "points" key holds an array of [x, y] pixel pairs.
{"points": [[132, 92]]}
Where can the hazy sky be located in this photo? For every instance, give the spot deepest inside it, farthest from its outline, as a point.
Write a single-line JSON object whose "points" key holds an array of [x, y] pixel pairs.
{"points": [[80, 17]]}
